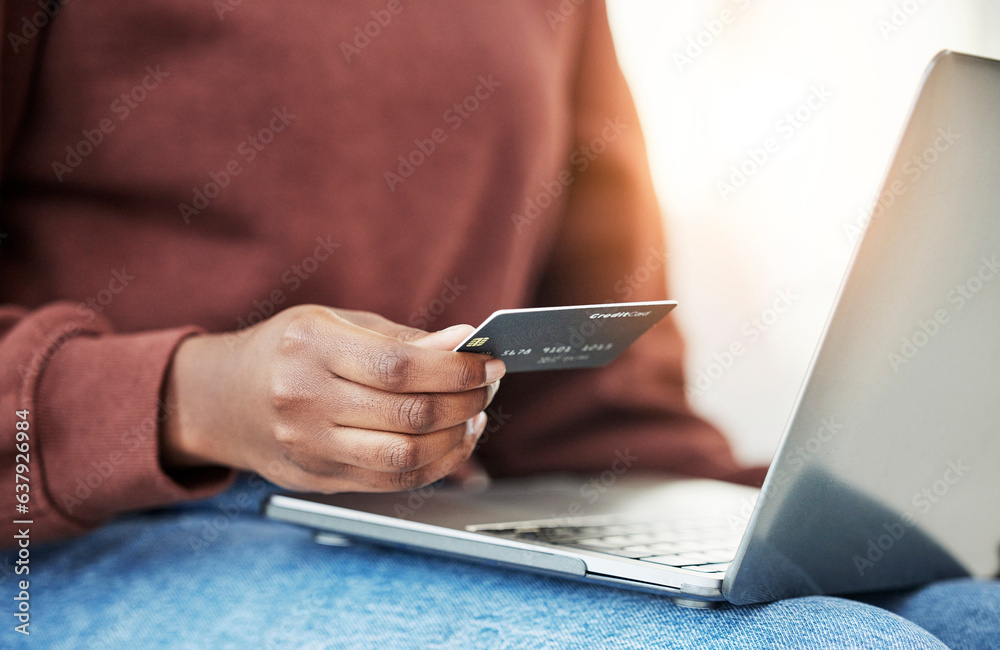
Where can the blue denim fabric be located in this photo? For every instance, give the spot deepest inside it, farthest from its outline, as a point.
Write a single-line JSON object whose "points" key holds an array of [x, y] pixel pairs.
{"points": [[213, 574]]}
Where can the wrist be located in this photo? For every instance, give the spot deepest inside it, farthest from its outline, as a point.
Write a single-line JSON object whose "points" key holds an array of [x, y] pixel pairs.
{"points": [[182, 432]]}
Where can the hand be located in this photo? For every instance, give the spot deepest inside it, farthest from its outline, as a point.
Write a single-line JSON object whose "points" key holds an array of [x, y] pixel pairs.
{"points": [[325, 400]]}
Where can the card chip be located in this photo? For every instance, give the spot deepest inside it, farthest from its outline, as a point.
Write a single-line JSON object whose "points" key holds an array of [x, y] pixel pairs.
{"points": [[475, 343]]}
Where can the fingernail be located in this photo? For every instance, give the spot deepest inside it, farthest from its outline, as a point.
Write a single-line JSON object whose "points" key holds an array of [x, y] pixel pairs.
{"points": [[449, 335], [475, 425], [495, 369]]}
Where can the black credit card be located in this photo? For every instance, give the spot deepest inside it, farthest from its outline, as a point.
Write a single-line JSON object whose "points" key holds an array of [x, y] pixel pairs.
{"points": [[554, 338]]}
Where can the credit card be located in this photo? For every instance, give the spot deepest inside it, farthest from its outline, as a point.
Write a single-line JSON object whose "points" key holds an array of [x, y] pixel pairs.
{"points": [[556, 338]]}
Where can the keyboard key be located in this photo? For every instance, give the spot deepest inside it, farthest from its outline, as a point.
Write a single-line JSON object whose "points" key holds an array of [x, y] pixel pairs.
{"points": [[638, 551], [599, 542], [682, 543], [718, 556], [673, 548], [556, 535], [621, 541], [617, 530]]}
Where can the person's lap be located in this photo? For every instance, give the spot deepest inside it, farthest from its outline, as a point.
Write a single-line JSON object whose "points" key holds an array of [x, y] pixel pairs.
{"points": [[214, 574]]}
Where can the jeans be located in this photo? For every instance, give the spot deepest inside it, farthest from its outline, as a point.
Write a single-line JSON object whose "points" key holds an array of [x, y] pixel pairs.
{"points": [[213, 574]]}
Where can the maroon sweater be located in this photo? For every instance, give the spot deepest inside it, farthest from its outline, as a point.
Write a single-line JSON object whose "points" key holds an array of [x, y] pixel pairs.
{"points": [[173, 166]]}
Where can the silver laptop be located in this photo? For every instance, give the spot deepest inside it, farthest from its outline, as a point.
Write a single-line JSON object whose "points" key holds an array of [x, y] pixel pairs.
{"points": [[888, 474]]}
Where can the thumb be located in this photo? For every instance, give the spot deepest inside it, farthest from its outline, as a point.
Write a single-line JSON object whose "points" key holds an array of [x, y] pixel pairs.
{"points": [[446, 339]]}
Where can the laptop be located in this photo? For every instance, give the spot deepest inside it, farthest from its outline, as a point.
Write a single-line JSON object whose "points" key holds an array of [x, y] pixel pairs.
{"points": [[888, 473]]}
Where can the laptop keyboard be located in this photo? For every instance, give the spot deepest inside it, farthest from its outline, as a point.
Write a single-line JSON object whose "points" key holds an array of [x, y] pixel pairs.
{"points": [[702, 545]]}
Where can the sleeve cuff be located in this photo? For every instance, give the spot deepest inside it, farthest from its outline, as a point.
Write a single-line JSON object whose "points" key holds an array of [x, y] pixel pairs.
{"points": [[99, 413]]}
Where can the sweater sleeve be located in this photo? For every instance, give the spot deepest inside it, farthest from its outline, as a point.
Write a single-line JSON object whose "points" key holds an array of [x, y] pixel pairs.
{"points": [[79, 403], [91, 399], [633, 413]]}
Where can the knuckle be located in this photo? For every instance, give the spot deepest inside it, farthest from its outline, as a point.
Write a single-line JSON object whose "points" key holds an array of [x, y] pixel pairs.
{"points": [[305, 325], [286, 436], [402, 453], [409, 480], [298, 332], [392, 369], [284, 393], [306, 462], [418, 413], [409, 334], [471, 374]]}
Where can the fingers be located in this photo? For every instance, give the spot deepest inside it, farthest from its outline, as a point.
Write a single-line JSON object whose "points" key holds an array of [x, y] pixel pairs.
{"points": [[357, 402], [446, 339], [373, 359], [387, 462], [364, 407], [383, 451], [381, 324]]}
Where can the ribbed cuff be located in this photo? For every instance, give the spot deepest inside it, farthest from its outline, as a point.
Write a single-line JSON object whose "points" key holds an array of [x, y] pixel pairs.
{"points": [[99, 414]]}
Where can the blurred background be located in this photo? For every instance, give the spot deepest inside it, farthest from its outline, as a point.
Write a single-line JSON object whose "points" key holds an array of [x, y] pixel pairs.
{"points": [[770, 124]]}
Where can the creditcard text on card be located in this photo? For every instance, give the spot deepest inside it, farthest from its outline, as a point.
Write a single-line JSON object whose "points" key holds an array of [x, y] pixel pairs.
{"points": [[553, 338]]}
